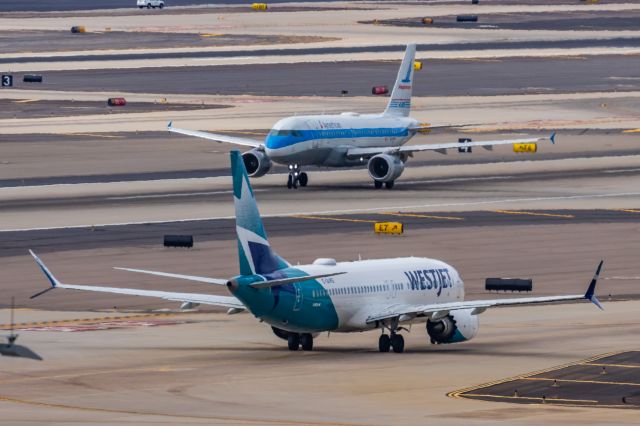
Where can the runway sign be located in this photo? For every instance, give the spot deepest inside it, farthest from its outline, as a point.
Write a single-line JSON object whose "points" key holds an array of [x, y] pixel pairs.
{"points": [[388, 228]]}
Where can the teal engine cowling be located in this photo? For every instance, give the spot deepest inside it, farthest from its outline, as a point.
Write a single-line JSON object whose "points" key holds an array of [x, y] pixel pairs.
{"points": [[457, 326]]}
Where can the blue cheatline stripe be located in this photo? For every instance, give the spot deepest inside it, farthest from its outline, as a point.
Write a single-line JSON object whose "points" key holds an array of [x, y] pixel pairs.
{"points": [[274, 142]]}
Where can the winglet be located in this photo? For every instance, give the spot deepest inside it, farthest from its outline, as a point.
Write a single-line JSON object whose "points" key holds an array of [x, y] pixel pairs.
{"points": [[552, 137], [54, 282], [590, 294], [170, 125]]}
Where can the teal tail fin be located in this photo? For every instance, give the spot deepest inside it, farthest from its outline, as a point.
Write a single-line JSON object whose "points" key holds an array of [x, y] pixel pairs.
{"points": [[254, 252]]}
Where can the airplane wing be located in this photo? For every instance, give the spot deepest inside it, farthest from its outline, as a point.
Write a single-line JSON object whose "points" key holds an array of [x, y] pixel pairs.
{"points": [[205, 299], [216, 137], [442, 147], [440, 310], [207, 280], [423, 127]]}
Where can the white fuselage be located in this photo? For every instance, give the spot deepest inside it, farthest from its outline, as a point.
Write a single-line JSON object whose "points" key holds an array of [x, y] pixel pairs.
{"points": [[372, 287], [323, 140]]}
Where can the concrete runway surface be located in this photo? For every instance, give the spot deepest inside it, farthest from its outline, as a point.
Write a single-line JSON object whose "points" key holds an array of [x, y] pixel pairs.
{"points": [[510, 76], [67, 168], [233, 370]]}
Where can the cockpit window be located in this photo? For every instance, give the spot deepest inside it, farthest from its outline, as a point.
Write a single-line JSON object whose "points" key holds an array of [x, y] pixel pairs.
{"points": [[283, 132]]}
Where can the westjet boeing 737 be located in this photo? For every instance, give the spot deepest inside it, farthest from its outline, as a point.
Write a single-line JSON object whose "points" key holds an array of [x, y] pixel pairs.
{"points": [[299, 302], [346, 140]]}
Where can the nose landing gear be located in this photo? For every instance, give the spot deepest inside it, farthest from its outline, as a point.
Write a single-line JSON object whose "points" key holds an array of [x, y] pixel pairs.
{"points": [[296, 177]]}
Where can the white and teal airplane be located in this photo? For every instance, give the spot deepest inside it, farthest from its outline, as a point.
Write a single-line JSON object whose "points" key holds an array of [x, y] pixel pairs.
{"points": [[348, 139], [301, 301]]}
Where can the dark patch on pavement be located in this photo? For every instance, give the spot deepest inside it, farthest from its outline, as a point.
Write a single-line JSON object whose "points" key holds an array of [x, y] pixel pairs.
{"points": [[610, 380]]}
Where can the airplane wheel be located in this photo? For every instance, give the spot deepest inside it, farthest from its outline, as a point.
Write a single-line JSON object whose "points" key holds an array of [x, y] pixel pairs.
{"points": [[397, 342], [306, 341], [290, 181], [293, 341], [384, 344], [303, 179], [389, 184], [377, 185]]}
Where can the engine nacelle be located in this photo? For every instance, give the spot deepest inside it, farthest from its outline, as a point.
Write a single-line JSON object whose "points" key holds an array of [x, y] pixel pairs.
{"points": [[385, 167], [283, 334], [455, 327], [256, 162]]}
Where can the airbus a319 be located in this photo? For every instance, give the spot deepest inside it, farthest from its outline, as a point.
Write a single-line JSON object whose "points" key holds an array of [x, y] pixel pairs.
{"points": [[349, 139]]}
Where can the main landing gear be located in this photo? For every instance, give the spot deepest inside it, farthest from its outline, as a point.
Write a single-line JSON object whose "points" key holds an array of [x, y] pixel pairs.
{"points": [[377, 184], [296, 177], [393, 340], [304, 340]]}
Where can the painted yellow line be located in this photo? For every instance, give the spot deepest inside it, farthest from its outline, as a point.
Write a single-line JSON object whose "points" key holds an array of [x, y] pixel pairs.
{"points": [[564, 216], [533, 398], [628, 210], [337, 219], [86, 320], [594, 382], [94, 135], [612, 365], [631, 131], [459, 393], [426, 216], [211, 35], [218, 418], [25, 101]]}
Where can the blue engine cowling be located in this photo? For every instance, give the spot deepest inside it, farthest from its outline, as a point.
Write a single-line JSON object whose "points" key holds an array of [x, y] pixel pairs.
{"points": [[458, 326]]}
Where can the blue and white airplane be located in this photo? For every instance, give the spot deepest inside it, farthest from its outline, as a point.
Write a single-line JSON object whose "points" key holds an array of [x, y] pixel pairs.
{"points": [[348, 139], [299, 302]]}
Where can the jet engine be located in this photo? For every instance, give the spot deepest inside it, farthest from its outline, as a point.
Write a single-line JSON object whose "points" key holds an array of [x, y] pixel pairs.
{"points": [[385, 167], [256, 162], [283, 334], [458, 326]]}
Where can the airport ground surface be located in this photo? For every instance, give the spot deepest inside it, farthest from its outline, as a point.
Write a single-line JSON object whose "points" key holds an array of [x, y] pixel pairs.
{"points": [[69, 164]]}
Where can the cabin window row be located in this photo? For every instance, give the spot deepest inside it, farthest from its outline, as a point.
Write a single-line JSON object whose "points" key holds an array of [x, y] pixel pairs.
{"points": [[357, 289]]}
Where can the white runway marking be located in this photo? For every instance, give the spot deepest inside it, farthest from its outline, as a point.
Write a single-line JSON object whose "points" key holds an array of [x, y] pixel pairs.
{"points": [[347, 211], [621, 170], [185, 194]]}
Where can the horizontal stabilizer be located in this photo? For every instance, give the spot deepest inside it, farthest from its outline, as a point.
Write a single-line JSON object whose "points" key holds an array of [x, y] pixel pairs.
{"points": [[283, 281]]}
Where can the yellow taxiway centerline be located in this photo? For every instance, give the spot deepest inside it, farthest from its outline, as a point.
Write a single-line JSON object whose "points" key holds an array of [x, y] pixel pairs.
{"points": [[337, 219], [564, 216], [426, 216], [533, 398], [594, 382], [597, 364], [93, 135]]}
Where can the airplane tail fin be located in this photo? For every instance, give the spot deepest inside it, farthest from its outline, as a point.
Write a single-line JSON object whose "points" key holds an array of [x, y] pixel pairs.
{"points": [[400, 102], [254, 252]]}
